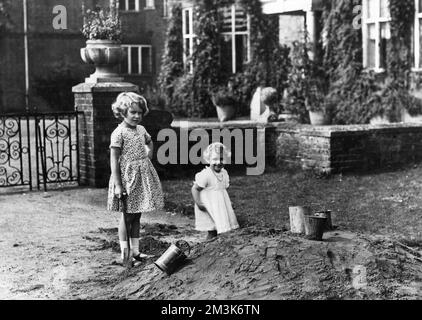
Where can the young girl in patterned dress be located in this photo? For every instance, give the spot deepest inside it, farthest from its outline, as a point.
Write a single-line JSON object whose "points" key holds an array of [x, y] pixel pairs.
{"points": [[132, 173], [213, 209]]}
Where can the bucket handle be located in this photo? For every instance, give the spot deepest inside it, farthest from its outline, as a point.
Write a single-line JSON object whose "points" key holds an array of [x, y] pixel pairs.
{"points": [[183, 245]]}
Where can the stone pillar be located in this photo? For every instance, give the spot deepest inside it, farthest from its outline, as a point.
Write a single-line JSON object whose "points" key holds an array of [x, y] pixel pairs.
{"points": [[95, 126]]}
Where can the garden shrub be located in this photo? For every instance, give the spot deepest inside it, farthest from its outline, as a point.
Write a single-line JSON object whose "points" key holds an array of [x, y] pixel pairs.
{"points": [[172, 59]]}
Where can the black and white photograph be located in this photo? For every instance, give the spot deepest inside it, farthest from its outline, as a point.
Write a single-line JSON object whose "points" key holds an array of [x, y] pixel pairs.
{"points": [[228, 152]]}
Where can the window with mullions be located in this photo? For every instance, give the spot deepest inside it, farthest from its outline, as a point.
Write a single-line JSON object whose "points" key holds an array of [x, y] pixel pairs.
{"points": [[375, 33], [418, 34], [129, 5], [188, 36], [234, 45], [165, 8], [138, 60]]}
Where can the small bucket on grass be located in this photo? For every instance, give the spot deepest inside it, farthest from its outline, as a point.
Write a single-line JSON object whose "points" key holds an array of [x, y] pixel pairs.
{"points": [[173, 257], [325, 214], [314, 227]]}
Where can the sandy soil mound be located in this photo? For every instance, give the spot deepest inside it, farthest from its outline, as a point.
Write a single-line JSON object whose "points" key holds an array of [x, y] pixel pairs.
{"points": [[272, 264]]}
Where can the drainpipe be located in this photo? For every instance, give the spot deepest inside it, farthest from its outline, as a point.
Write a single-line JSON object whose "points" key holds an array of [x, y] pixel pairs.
{"points": [[25, 37]]}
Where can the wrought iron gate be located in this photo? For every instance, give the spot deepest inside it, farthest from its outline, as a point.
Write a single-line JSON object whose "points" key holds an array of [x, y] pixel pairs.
{"points": [[39, 149]]}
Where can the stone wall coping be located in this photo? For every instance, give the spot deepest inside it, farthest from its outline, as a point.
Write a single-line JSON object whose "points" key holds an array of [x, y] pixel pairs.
{"points": [[304, 129], [105, 87]]}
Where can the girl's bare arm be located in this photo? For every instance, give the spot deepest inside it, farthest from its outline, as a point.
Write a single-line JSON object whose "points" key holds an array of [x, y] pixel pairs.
{"points": [[195, 194], [150, 149], [115, 171]]}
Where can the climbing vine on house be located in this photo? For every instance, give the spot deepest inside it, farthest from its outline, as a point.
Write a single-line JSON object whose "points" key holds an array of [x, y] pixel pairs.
{"points": [[267, 67], [172, 60], [5, 21], [356, 94]]}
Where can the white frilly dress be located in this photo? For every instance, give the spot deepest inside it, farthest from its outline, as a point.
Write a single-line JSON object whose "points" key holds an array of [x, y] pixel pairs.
{"points": [[215, 198]]}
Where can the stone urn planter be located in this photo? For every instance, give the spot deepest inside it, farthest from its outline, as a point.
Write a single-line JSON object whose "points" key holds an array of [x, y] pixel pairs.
{"points": [[225, 112], [224, 102], [105, 55], [318, 118], [407, 118], [379, 120]]}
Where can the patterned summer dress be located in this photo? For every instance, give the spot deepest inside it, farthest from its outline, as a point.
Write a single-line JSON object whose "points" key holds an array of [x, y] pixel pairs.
{"points": [[215, 198], [139, 179]]}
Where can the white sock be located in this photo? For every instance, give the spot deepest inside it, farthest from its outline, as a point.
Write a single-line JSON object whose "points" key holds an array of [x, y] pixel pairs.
{"points": [[134, 245], [123, 246]]}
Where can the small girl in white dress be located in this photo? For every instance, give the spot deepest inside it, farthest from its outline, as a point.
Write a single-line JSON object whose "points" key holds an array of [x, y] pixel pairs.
{"points": [[213, 209]]}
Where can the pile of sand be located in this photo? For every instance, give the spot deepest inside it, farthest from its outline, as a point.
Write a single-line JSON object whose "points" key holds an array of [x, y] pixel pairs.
{"points": [[272, 264]]}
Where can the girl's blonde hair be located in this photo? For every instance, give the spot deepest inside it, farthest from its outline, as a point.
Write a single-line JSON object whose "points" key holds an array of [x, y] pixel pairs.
{"points": [[216, 148], [125, 100]]}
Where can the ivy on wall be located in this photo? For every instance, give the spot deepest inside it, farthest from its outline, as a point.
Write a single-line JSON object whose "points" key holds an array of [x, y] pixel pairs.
{"points": [[172, 59], [5, 21], [355, 94], [268, 65]]}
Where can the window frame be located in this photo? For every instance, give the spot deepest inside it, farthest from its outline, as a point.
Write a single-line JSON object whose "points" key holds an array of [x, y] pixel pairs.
{"points": [[137, 6], [417, 40], [377, 21], [165, 8], [233, 33], [188, 36], [129, 59]]}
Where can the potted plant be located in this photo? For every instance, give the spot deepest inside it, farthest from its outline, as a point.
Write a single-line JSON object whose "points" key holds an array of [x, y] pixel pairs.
{"points": [[102, 29], [269, 98], [225, 102], [412, 111], [307, 87]]}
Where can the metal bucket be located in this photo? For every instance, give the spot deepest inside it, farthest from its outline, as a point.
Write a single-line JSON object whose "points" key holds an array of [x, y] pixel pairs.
{"points": [[173, 257], [314, 227], [325, 214]]}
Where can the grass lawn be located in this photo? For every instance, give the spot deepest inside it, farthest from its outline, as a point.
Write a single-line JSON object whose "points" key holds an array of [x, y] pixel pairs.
{"points": [[386, 203]]}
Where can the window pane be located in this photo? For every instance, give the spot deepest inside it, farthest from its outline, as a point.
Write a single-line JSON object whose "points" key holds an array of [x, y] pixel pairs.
{"points": [[372, 8], [385, 38], [146, 60], [187, 47], [134, 54], [420, 6], [420, 43], [226, 53], [124, 63], [226, 17], [241, 51], [371, 46], [187, 22], [131, 5], [241, 20], [122, 4], [384, 10]]}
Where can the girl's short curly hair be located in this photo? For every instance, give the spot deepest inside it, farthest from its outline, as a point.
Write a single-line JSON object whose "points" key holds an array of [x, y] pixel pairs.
{"points": [[125, 100], [216, 148]]}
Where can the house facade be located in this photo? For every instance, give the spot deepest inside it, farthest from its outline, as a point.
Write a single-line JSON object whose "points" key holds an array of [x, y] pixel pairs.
{"points": [[53, 57], [53, 54]]}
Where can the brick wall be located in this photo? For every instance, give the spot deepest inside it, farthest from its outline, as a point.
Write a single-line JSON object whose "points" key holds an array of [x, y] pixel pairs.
{"points": [[95, 127], [354, 148], [327, 149]]}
